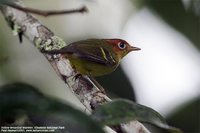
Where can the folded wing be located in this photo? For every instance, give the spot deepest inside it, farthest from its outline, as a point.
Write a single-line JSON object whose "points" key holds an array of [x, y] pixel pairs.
{"points": [[89, 52]]}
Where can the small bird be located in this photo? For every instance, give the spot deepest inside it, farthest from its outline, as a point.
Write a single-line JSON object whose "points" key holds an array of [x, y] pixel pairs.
{"points": [[95, 57]]}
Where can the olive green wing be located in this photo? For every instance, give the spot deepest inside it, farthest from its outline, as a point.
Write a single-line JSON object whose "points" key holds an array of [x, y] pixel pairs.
{"points": [[89, 52]]}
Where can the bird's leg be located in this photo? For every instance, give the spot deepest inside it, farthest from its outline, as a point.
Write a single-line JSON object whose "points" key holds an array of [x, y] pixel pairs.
{"points": [[97, 84], [77, 76]]}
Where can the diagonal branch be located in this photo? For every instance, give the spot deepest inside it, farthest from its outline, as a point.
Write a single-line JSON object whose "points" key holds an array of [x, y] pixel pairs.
{"points": [[84, 89]]}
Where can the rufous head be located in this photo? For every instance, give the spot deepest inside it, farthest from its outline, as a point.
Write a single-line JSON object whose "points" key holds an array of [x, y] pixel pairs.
{"points": [[121, 47]]}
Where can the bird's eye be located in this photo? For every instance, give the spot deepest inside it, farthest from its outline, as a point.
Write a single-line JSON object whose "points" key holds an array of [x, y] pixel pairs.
{"points": [[122, 45]]}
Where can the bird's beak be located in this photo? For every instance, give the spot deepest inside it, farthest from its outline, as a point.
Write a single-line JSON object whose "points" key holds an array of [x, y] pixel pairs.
{"points": [[134, 48]]}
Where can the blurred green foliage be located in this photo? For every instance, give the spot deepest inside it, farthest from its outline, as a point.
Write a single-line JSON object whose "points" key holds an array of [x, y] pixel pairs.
{"points": [[122, 111], [24, 105]]}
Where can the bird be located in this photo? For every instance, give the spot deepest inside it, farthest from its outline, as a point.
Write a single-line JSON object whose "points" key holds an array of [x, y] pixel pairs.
{"points": [[95, 57]]}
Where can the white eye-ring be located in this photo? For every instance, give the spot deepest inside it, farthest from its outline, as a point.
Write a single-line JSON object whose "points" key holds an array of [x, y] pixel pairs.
{"points": [[122, 45]]}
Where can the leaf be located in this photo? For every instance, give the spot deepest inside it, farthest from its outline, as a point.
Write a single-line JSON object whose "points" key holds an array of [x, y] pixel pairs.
{"points": [[21, 104], [122, 111]]}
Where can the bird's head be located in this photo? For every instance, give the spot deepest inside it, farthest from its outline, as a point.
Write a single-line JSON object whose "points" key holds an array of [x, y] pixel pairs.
{"points": [[121, 47]]}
